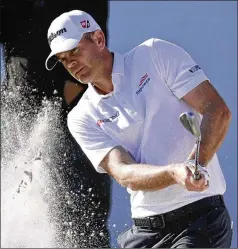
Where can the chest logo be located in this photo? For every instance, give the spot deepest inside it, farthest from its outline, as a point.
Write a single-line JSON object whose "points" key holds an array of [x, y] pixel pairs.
{"points": [[143, 82], [107, 120]]}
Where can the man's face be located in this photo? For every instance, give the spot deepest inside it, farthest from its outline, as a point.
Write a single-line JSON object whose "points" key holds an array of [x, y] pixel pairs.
{"points": [[83, 62]]}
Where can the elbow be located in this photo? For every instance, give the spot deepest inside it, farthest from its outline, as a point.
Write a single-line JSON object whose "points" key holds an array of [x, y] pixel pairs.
{"points": [[229, 114], [127, 183], [123, 174], [133, 187], [127, 180], [221, 113], [226, 114]]}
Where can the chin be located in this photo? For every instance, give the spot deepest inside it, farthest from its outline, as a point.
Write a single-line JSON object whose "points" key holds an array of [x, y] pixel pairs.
{"points": [[81, 79], [85, 79]]}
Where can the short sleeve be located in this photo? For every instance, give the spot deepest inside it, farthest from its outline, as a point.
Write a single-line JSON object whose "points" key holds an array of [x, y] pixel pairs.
{"points": [[180, 72], [94, 142]]}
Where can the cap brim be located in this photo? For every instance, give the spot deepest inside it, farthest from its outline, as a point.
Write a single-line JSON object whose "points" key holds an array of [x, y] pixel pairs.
{"points": [[64, 46]]}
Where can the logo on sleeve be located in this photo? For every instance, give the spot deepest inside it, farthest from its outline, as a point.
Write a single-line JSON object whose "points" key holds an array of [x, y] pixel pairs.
{"points": [[143, 82], [107, 120], [194, 69]]}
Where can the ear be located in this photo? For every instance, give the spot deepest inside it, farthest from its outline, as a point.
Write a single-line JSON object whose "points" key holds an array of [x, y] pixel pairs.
{"points": [[99, 39]]}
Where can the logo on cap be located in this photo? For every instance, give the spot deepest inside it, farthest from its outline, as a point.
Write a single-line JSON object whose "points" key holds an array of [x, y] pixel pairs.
{"points": [[54, 35], [85, 24]]}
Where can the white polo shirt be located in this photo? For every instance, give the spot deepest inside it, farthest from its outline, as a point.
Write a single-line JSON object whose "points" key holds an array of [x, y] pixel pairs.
{"points": [[142, 115]]}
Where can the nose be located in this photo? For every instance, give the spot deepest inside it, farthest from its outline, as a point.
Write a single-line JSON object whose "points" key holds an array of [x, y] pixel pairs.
{"points": [[70, 64]]}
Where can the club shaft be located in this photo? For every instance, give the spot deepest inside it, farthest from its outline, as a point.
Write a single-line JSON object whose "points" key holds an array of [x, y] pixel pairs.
{"points": [[197, 175], [190, 122]]}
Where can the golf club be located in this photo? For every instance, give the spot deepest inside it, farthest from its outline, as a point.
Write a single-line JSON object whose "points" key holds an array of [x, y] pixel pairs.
{"points": [[190, 122]]}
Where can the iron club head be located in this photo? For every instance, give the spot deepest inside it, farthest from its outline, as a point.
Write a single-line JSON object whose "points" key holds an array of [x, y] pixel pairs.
{"points": [[190, 122]]}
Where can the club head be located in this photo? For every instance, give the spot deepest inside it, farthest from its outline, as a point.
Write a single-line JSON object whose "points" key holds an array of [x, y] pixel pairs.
{"points": [[190, 122]]}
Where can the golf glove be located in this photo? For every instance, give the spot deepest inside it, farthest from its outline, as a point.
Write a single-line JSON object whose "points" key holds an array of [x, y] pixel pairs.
{"points": [[202, 169]]}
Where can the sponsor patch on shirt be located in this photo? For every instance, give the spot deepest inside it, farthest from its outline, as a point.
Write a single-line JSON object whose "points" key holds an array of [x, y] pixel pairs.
{"points": [[107, 120], [143, 81], [194, 69]]}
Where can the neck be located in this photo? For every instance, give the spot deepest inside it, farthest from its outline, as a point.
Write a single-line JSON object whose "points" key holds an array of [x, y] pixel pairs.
{"points": [[103, 83]]}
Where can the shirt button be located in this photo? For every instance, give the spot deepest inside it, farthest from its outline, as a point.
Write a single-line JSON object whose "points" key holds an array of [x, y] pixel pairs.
{"points": [[117, 93], [123, 102]]}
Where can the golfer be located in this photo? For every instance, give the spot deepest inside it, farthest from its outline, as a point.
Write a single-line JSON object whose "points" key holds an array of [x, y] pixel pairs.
{"points": [[127, 124]]}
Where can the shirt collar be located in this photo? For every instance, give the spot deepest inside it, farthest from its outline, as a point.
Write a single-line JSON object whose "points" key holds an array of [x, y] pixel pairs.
{"points": [[117, 71], [118, 64]]}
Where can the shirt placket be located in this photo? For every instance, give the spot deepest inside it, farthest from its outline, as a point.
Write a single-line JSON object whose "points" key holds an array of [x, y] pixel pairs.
{"points": [[122, 98]]}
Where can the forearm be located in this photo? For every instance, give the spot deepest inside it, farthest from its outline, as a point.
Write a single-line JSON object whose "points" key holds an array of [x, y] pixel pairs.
{"points": [[119, 164], [213, 131], [145, 177]]}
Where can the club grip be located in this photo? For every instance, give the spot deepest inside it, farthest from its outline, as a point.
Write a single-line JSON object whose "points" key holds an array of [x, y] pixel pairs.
{"points": [[197, 175]]}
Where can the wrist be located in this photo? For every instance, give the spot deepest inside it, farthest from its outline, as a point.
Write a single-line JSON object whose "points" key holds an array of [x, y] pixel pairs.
{"points": [[192, 162]]}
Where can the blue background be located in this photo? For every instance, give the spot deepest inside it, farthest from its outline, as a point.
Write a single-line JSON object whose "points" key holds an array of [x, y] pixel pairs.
{"points": [[208, 31]]}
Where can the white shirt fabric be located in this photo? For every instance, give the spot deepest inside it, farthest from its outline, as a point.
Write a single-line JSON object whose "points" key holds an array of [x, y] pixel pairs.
{"points": [[142, 115]]}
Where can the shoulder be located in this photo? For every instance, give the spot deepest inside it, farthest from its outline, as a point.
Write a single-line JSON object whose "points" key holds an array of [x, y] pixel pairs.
{"points": [[167, 49], [140, 48], [148, 44], [138, 54], [151, 48]]}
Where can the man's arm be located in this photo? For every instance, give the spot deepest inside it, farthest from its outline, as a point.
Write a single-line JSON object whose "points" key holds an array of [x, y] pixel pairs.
{"points": [[216, 119], [119, 164]]}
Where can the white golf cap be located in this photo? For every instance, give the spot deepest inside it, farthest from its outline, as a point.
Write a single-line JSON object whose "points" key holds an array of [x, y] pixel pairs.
{"points": [[66, 31]]}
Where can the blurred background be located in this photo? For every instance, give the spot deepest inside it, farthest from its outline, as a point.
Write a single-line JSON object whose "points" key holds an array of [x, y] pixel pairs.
{"points": [[208, 31]]}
